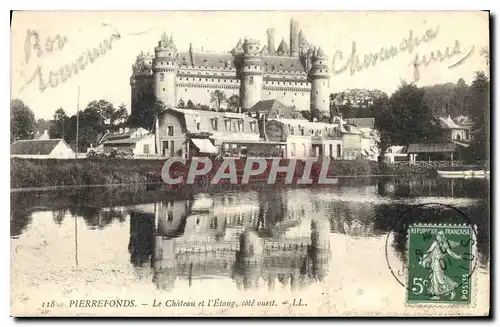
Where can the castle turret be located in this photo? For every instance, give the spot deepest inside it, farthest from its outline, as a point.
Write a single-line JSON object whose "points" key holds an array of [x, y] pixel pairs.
{"points": [[251, 74], [294, 38], [165, 71], [319, 76], [270, 41]]}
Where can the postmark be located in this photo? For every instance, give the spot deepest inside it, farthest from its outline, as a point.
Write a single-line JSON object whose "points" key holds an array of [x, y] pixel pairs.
{"points": [[440, 261]]}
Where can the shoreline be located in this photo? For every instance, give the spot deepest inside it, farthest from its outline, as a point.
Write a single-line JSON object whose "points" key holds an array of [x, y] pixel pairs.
{"points": [[50, 174], [59, 187]]}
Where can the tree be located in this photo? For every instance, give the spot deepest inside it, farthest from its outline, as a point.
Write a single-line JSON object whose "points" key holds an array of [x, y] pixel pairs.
{"points": [[233, 103], [190, 105], [60, 119], [409, 119], [217, 98], [355, 103], [22, 121], [480, 113], [42, 125], [181, 104], [120, 116]]}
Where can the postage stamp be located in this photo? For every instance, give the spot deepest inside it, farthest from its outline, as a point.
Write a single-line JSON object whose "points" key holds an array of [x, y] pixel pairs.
{"points": [[441, 263]]}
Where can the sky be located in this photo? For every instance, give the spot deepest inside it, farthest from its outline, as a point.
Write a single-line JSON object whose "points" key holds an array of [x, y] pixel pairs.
{"points": [[457, 36]]}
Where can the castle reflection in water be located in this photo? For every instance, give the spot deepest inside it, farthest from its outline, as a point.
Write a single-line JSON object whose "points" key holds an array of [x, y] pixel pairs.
{"points": [[256, 238]]}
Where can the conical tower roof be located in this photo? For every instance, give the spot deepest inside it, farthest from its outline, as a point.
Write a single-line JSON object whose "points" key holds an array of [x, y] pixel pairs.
{"points": [[283, 47]]}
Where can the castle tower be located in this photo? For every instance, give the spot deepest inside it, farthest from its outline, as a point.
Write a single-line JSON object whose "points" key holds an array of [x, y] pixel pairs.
{"points": [[294, 38], [165, 71], [270, 41], [251, 74], [319, 76]]}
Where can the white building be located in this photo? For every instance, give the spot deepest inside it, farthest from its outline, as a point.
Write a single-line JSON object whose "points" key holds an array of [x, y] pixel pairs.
{"points": [[41, 149]]}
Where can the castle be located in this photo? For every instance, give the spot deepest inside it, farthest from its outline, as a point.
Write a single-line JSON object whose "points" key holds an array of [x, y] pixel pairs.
{"points": [[296, 75]]}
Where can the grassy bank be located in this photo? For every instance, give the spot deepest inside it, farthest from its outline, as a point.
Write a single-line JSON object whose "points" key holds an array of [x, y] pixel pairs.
{"points": [[26, 173], [54, 172]]}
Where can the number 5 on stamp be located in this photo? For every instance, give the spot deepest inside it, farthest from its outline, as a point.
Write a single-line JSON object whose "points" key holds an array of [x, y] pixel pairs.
{"points": [[441, 261]]}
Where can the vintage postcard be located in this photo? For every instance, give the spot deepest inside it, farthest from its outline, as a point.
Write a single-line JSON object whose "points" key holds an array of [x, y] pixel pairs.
{"points": [[250, 163]]}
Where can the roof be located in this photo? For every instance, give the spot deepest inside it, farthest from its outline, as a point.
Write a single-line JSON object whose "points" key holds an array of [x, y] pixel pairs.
{"points": [[117, 135], [210, 113], [127, 140], [205, 59], [275, 109], [40, 147], [449, 123], [361, 122], [435, 147], [282, 63]]}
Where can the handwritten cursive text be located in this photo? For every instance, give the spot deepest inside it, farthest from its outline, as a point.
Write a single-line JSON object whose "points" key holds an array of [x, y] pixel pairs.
{"points": [[354, 64], [439, 56], [61, 74], [32, 42]]}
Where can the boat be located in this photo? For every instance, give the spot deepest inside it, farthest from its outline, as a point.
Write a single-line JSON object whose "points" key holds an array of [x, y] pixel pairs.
{"points": [[465, 173]]}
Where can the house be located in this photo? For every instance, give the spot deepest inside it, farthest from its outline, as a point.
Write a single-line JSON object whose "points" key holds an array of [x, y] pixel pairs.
{"points": [[273, 109], [122, 134], [141, 146], [396, 153], [40, 136], [41, 149], [433, 152], [188, 132], [458, 129], [305, 139], [369, 136]]}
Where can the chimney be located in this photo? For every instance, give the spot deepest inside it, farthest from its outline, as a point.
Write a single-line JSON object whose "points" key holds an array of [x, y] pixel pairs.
{"points": [[270, 41], [157, 136], [294, 38]]}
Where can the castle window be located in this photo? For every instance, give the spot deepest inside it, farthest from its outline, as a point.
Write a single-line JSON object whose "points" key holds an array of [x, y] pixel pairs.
{"points": [[212, 79], [224, 81], [272, 82], [316, 92], [323, 101], [252, 127], [295, 93], [208, 91], [163, 89], [185, 90], [206, 79], [162, 62], [227, 124], [214, 124], [284, 93], [162, 76], [170, 130], [269, 93], [180, 78], [200, 79]]}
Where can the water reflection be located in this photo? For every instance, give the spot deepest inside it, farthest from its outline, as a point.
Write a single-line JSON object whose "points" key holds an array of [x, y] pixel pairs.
{"points": [[255, 237]]}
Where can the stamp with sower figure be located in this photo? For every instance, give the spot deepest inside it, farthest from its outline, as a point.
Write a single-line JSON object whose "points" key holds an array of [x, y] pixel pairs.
{"points": [[441, 262]]}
